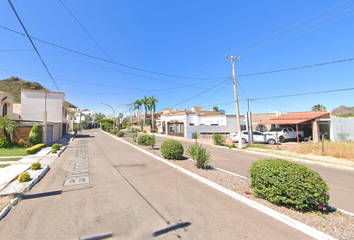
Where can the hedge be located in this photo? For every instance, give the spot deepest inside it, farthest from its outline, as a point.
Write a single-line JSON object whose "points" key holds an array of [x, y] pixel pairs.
{"points": [[35, 148], [172, 149], [288, 184]]}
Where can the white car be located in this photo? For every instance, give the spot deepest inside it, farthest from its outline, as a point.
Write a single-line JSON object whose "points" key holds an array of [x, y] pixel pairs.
{"points": [[257, 137]]}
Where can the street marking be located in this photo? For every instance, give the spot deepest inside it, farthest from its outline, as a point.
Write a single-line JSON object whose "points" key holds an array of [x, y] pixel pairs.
{"points": [[81, 172]]}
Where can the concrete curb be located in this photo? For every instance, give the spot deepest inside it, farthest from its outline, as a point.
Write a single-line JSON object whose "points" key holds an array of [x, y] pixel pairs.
{"points": [[270, 212], [14, 201]]}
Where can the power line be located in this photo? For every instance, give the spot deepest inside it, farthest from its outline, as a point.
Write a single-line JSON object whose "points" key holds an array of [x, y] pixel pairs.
{"points": [[297, 68], [302, 94], [99, 46], [45, 66], [198, 94], [213, 94], [277, 32], [247, 52], [109, 61]]}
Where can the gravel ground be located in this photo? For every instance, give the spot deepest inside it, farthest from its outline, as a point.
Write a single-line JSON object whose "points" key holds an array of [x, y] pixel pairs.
{"points": [[15, 186], [337, 225]]}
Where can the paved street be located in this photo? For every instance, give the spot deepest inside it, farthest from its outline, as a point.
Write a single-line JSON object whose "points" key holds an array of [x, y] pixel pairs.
{"points": [[133, 196], [340, 182]]}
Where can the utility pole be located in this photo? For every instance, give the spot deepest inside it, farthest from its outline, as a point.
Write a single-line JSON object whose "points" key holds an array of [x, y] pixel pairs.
{"points": [[236, 101]]}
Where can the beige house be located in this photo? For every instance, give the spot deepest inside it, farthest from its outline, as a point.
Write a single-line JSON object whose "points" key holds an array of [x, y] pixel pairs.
{"points": [[7, 106]]}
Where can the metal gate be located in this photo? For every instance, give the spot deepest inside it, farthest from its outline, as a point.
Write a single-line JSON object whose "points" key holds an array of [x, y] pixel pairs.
{"points": [[49, 133]]}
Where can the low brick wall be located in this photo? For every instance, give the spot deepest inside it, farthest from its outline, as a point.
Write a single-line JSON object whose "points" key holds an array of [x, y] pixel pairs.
{"points": [[22, 133]]}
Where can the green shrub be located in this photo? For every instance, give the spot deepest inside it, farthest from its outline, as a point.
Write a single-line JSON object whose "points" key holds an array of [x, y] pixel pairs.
{"points": [[35, 166], [35, 135], [152, 141], [106, 126], [134, 136], [56, 146], [120, 134], [35, 148], [172, 149], [289, 184], [218, 139], [26, 144], [144, 140], [201, 156], [24, 177], [54, 150], [113, 131], [61, 145], [4, 143], [124, 127]]}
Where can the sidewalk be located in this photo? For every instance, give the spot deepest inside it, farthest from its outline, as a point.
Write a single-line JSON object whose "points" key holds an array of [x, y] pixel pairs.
{"points": [[9, 173], [272, 152]]}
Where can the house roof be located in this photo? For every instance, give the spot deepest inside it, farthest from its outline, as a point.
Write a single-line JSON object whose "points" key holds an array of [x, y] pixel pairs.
{"points": [[295, 118]]}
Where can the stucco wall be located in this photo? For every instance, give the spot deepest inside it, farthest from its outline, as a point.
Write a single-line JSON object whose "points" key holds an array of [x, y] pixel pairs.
{"points": [[33, 106], [342, 129]]}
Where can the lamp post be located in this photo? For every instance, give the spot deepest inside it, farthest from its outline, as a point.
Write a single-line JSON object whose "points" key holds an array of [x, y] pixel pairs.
{"points": [[114, 110]]}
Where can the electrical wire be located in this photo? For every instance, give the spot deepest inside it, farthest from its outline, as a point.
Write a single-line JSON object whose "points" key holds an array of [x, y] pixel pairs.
{"points": [[29, 37], [100, 46], [109, 61], [250, 51], [297, 68], [297, 23], [213, 94]]}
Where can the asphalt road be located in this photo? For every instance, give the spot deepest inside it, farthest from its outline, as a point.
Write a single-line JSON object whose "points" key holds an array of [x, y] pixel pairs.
{"points": [[133, 196], [340, 182]]}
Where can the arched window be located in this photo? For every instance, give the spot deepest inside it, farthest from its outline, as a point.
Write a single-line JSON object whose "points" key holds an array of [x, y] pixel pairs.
{"points": [[4, 110]]}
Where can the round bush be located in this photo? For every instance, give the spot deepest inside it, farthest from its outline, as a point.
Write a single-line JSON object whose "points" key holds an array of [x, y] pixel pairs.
{"points": [[289, 184], [54, 151], [120, 134], [35, 135], [172, 149], [36, 166], [56, 146], [144, 140], [24, 177]]}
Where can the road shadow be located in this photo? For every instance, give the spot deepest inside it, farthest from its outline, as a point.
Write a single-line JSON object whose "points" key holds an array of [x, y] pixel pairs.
{"points": [[172, 228], [39, 195]]}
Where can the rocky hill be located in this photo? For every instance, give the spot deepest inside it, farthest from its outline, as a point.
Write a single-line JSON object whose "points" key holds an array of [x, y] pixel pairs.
{"points": [[343, 111], [14, 85]]}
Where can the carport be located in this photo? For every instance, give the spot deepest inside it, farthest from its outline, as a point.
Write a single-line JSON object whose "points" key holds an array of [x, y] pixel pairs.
{"points": [[301, 117]]}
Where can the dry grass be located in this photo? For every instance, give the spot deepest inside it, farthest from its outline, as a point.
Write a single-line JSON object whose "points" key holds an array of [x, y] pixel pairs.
{"points": [[333, 149], [5, 200]]}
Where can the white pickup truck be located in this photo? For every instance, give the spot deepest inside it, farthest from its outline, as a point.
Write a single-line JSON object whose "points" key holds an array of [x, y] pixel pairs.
{"points": [[285, 133]]}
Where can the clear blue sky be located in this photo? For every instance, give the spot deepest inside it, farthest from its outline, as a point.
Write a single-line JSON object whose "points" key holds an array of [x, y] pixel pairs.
{"points": [[187, 39]]}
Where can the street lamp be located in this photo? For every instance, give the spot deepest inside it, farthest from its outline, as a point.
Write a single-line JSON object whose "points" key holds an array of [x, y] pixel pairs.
{"points": [[114, 110]]}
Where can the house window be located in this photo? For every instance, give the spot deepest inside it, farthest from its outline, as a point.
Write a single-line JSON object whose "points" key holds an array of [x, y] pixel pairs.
{"points": [[4, 110], [191, 124], [214, 124], [202, 124]]}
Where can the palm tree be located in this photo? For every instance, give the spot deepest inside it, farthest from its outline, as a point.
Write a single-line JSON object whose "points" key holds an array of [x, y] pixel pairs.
{"points": [[137, 105], [145, 102], [216, 109], [6, 126], [319, 107], [152, 100]]}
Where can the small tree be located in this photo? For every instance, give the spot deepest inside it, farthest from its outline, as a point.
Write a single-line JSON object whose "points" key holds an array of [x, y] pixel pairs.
{"points": [[83, 123], [6, 126], [319, 107], [35, 135]]}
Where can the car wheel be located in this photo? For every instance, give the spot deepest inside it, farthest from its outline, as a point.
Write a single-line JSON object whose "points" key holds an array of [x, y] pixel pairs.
{"points": [[271, 141], [281, 139], [244, 140]]}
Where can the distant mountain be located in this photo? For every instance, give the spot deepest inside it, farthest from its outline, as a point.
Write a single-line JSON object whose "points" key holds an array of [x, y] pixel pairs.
{"points": [[14, 85], [344, 111]]}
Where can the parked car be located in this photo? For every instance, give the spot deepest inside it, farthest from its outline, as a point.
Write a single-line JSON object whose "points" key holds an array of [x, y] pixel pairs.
{"points": [[257, 137], [285, 133]]}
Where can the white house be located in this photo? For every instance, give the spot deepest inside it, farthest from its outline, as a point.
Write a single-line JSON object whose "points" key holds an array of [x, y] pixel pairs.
{"points": [[79, 115], [183, 123], [33, 105]]}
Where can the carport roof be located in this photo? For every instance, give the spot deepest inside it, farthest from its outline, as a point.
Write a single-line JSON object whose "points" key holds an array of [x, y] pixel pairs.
{"points": [[295, 118]]}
